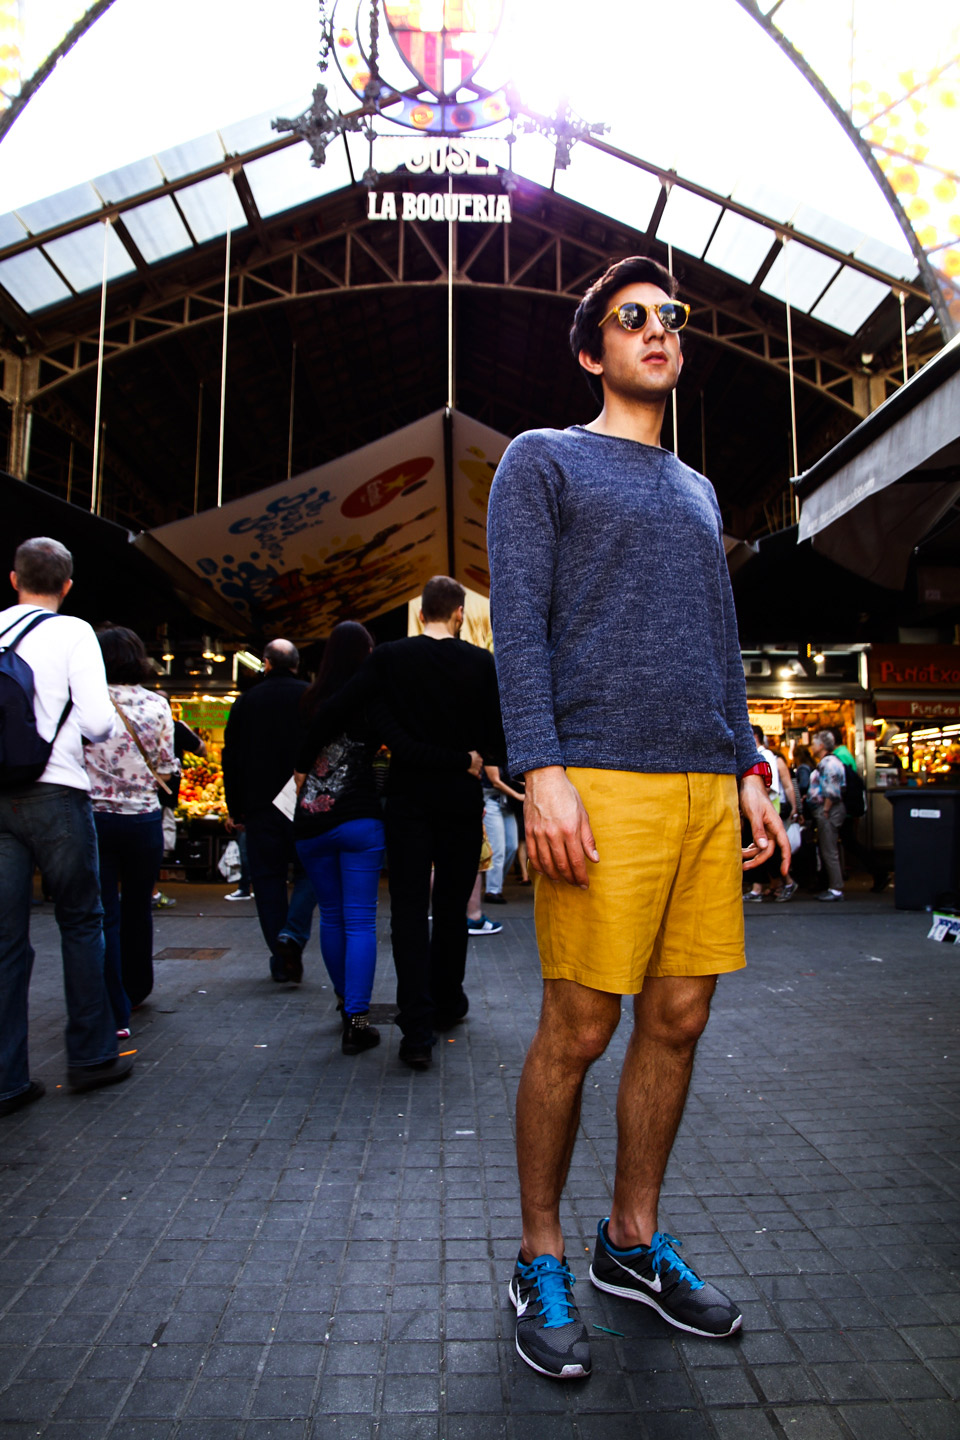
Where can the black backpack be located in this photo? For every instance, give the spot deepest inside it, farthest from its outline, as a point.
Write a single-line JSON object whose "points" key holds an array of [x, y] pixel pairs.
{"points": [[23, 751], [854, 795]]}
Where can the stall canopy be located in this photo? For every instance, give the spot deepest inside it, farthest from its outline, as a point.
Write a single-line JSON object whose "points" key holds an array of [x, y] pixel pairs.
{"points": [[351, 539], [893, 481]]}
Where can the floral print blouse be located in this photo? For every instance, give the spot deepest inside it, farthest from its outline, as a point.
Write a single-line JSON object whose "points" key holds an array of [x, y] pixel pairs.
{"points": [[120, 781]]}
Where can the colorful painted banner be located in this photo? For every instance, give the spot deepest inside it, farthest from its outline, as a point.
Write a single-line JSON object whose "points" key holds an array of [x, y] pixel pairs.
{"points": [[351, 539]]}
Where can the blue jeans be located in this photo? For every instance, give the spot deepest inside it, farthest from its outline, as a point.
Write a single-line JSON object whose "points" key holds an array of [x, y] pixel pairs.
{"points": [[501, 828], [131, 849], [51, 826], [270, 851], [344, 868]]}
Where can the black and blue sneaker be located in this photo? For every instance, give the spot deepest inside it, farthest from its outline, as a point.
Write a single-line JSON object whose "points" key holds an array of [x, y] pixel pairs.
{"points": [[551, 1337], [655, 1275]]}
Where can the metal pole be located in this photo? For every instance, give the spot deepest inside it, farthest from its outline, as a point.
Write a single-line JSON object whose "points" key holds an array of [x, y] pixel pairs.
{"points": [[793, 395], [70, 472], [223, 366], [903, 334], [94, 502], [196, 466], [293, 379], [673, 397], [27, 437], [451, 395], [103, 451]]}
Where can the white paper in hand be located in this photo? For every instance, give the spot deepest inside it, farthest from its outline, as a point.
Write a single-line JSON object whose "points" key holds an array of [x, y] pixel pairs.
{"points": [[286, 801]]}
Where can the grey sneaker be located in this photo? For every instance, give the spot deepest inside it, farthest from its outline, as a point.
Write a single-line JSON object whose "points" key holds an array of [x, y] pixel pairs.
{"points": [[656, 1276], [551, 1337], [830, 895]]}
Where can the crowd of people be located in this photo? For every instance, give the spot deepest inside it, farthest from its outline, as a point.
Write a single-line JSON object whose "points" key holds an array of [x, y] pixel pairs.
{"points": [[818, 793]]}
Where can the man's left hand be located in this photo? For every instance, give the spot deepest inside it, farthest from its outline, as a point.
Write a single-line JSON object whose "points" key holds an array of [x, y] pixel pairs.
{"points": [[765, 826]]}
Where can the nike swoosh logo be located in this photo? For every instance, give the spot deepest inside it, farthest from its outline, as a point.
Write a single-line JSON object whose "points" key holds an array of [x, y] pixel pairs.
{"points": [[653, 1284]]}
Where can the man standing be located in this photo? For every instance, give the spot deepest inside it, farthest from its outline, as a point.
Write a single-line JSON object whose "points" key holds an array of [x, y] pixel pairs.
{"points": [[259, 745], [624, 704], [441, 692], [825, 798], [49, 823]]}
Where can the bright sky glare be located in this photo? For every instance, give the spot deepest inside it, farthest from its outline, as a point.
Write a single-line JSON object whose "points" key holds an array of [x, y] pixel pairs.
{"points": [[693, 84]]}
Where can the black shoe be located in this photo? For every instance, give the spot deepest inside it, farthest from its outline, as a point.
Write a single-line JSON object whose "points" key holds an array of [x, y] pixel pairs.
{"points": [[358, 1034], [551, 1337], [34, 1090], [656, 1276], [289, 961], [92, 1077], [495, 898], [416, 1054]]}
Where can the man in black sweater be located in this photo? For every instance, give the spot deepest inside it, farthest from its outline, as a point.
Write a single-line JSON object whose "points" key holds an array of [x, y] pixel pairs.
{"points": [[259, 745], [443, 693]]}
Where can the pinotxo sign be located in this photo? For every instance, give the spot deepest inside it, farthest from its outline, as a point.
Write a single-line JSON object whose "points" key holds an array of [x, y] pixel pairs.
{"points": [[444, 158]]}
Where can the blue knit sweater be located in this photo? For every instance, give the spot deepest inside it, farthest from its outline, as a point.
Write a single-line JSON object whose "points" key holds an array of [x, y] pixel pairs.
{"points": [[614, 628]]}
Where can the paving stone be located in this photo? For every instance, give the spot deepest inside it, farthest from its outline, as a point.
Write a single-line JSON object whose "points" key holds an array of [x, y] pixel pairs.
{"points": [[256, 1244]]}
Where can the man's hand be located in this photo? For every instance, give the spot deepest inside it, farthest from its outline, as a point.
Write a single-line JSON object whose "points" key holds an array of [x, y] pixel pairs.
{"points": [[765, 826], [233, 827], [476, 764], [559, 838]]}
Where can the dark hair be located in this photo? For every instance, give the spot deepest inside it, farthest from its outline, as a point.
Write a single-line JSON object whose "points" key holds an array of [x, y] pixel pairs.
{"points": [[283, 655], [345, 651], [42, 566], [757, 734], [802, 756], [585, 332], [441, 596], [124, 656]]}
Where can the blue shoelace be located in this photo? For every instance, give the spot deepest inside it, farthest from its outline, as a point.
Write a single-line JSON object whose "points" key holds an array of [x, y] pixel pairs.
{"points": [[554, 1283], [662, 1252]]}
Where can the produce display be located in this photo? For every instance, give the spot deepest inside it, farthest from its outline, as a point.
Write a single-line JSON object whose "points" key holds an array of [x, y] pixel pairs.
{"points": [[201, 789]]}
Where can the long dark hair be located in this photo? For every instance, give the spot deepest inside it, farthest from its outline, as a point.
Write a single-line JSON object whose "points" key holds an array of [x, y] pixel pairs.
{"points": [[345, 651], [124, 656]]}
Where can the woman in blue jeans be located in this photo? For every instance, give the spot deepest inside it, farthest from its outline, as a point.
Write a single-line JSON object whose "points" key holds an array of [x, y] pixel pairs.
{"points": [[339, 830], [127, 814]]}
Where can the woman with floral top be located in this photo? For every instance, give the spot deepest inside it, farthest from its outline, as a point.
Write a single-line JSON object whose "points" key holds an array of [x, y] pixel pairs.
{"points": [[127, 814]]}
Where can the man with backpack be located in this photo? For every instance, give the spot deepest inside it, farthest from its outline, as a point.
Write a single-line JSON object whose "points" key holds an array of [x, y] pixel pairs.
{"points": [[53, 695], [825, 799]]}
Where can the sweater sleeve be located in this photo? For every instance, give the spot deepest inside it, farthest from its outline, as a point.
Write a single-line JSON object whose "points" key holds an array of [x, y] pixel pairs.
{"points": [[737, 715], [523, 530]]}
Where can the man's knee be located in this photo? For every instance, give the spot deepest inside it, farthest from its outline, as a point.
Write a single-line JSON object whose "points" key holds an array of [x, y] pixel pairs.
{"points": [[577, 1024], [674, 1011]]}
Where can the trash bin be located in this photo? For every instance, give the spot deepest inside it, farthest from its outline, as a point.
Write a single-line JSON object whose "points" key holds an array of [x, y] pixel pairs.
{"points": [[926, 845]]}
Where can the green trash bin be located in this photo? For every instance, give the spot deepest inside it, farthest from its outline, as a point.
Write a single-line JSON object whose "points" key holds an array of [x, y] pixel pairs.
{"points": [[926, 845]]}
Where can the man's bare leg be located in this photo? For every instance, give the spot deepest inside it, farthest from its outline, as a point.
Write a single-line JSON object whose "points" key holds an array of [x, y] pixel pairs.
{"points": [[670, 1014], [576, 1025]]}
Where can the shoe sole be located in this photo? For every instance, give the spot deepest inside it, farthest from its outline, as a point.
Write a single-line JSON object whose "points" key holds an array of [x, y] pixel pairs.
{"points": [[642, 1299], [569, 1372]]}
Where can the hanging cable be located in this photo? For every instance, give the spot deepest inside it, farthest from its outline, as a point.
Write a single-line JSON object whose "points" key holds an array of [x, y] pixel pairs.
{"points": [[94, 497], [223, 365], [903, 335], [785, 239], [293, 381], [451, 258]]}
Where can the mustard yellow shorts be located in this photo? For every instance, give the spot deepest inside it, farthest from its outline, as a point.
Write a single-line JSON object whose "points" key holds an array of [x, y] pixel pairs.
{"points": [[665, 896]]}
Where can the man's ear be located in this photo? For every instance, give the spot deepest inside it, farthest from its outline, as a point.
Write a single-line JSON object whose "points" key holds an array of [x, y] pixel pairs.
{"points": [[13, 580], [67, 587], [595, 367]]}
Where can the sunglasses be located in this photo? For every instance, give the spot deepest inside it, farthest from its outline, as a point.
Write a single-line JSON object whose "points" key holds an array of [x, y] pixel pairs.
{"points": [[672, 314]]}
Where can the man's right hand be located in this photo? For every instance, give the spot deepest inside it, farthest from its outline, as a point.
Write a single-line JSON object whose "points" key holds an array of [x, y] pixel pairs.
{"points": [[559, 838]]}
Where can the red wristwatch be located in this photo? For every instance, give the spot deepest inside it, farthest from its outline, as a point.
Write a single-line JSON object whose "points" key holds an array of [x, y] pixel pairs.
{"points": [[763, 770]]}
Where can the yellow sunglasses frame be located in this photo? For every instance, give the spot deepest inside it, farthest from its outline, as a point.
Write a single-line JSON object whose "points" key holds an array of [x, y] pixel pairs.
{"points": [[656, 310]]}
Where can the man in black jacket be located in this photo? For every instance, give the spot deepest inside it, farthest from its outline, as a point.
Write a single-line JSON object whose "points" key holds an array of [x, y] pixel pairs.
{"points": [[259, 745]]}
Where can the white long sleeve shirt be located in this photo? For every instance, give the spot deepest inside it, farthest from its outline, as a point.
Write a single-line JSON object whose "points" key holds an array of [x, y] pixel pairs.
{"points": [[65, 658]]}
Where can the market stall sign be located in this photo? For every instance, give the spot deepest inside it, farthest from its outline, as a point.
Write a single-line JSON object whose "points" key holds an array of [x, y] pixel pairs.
{"points": [[914, 667], [919, 709]]}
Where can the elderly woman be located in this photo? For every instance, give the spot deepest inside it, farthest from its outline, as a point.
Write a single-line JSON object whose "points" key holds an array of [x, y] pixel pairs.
{"points": [[124, 772], [825, 799]]}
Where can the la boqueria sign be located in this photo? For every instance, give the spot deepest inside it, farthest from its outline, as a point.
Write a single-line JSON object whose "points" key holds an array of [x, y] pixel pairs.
{"points": [[445, 158]]}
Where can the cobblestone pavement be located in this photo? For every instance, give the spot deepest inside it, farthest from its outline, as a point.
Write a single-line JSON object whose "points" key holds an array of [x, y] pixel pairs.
{"points": [[258, 1237]]}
